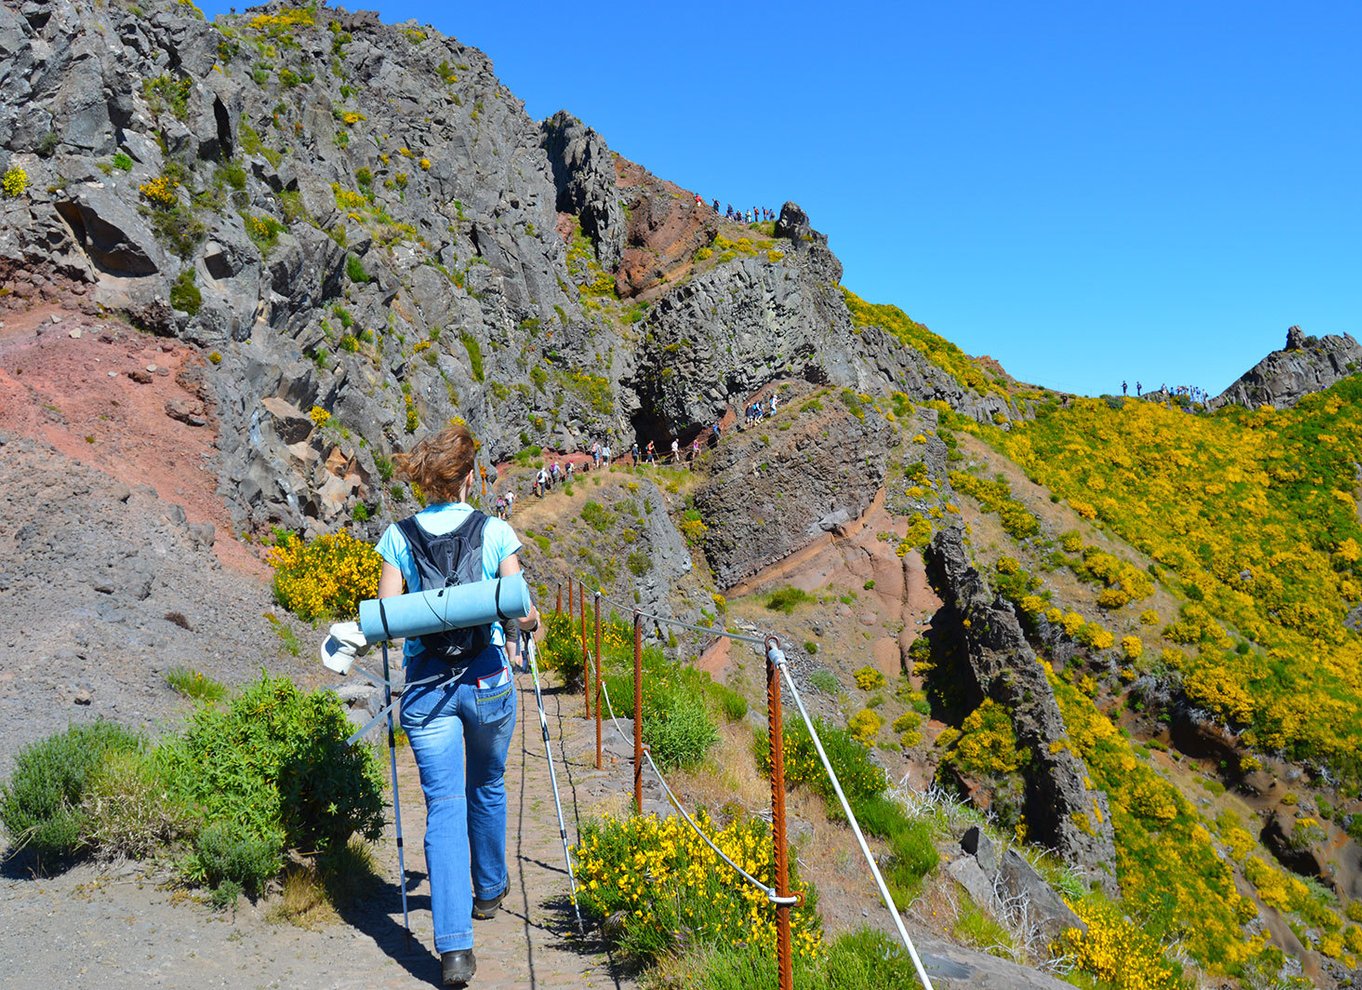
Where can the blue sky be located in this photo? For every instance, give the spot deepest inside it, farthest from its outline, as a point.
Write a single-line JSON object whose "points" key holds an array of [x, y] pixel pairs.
{"points": [[1087, 192]]}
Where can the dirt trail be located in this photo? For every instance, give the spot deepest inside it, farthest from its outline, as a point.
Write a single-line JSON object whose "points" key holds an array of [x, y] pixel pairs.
{"points": [[106, 927]]}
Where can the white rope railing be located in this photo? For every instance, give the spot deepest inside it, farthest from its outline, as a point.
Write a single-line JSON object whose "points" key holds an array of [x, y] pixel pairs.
{"points": [[770, 892], [777, 657]]}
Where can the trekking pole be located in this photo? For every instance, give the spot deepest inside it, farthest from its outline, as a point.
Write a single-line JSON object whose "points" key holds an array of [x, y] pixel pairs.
{"points": [[553, 779], [397, 803]]}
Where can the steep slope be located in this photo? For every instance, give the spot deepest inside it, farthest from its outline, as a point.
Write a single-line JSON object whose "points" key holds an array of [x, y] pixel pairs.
{"points": [[1139, 645], [358, 217]]}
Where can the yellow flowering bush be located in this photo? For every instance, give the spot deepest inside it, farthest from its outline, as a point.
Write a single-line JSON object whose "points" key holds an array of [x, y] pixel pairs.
{"points": [[319, 416], [869, 678], [1131, 647], [1117, 952], [324, 578], [1249, 516], [666, 888], [160, 191], [985, 745], [919, 534], [865, 725], [14, 182]]}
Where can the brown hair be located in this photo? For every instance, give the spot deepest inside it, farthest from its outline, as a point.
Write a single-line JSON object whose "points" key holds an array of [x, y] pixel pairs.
{"points": [[439, 463]]}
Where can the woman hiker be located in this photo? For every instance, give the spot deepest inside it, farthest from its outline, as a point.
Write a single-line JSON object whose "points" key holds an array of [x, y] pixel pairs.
{"points": [[459, 724]]}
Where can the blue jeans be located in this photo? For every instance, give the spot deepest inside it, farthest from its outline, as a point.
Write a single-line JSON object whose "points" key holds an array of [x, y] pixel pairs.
{"points": [[460, 733]]}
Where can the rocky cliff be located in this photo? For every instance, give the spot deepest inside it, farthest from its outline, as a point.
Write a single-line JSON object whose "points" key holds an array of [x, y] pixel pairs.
{"points": [[1306, 364], [366, 235], [1065, 812]]}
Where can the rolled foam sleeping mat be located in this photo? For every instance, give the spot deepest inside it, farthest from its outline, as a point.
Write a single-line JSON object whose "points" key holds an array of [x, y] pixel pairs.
{"points": [[420, 613]]}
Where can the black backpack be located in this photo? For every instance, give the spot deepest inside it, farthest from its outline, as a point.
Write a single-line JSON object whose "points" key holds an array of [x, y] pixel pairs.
{"points": [[444, 562]]}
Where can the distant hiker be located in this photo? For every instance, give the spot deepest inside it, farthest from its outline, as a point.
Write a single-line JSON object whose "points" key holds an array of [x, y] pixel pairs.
{"points": [[676, 451], [459, 707], [596, 453], [501, 506], [568, 473], [541, 480], [510, 502], [695, 448], [771, 408], [555, 474], [652, 453], [698, 201], [714, 434], [1124, 389], [716, 206], [605, 455], [633, 448], [1139, 390]]}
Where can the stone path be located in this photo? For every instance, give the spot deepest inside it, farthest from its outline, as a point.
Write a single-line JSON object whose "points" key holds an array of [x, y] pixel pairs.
{"points": [[113, 928]]}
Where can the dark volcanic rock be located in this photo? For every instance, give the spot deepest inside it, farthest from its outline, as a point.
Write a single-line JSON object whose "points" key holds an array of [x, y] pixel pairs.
{"points": [[1001, 665], [1306, 364], [408, 262], [772, 491], [584, 174]]}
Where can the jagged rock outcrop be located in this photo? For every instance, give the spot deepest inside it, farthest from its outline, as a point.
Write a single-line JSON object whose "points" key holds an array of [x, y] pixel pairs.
{"points": [[373, 225], [584, 174], [1062, 810], [1306, 364], [772, 491], [1002, 882]]}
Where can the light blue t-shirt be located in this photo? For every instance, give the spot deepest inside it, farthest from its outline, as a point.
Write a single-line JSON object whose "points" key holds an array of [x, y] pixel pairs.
{"points": [[498, 542]]}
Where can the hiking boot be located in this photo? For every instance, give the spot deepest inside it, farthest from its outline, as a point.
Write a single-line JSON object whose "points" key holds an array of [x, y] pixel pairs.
{"points": [[485, 910], [457, 967]]}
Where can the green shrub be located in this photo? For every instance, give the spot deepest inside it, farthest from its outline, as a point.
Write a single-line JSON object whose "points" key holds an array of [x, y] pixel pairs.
{"points": [[354, 269], [474, 350], [184, 293], [42, 804], [193, 684], [165, 92], [263, 230], [855, 961], [272, 771], [122, 161], [677, 726], [128, 812], [639, 563], [730, 703], [861, 777], [787, 599], [597, 516], [825, 681], [224, 858]]}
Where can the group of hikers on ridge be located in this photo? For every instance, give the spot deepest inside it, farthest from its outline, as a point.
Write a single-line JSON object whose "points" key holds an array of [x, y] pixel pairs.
{"points": [[1194, 394], [756, 214]]}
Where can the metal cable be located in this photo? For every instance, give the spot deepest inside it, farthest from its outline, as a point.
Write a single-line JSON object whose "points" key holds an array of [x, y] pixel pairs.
{"points": [[778, 658], [770, 892], [711, 630]]}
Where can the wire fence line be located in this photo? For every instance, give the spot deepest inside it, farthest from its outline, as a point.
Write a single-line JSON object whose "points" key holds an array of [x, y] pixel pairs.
{"points": [[775, 656], [770, 892]]}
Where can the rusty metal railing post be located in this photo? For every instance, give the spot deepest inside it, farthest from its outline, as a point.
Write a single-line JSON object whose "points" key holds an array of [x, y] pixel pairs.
{"points": [[586, 652], [558, 602], [571, 609], [773, 713], [638, 713], [598, 680]]}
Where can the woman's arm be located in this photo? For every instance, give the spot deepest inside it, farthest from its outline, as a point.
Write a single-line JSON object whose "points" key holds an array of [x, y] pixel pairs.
{"points": [[390, 581], [511, 565]]}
